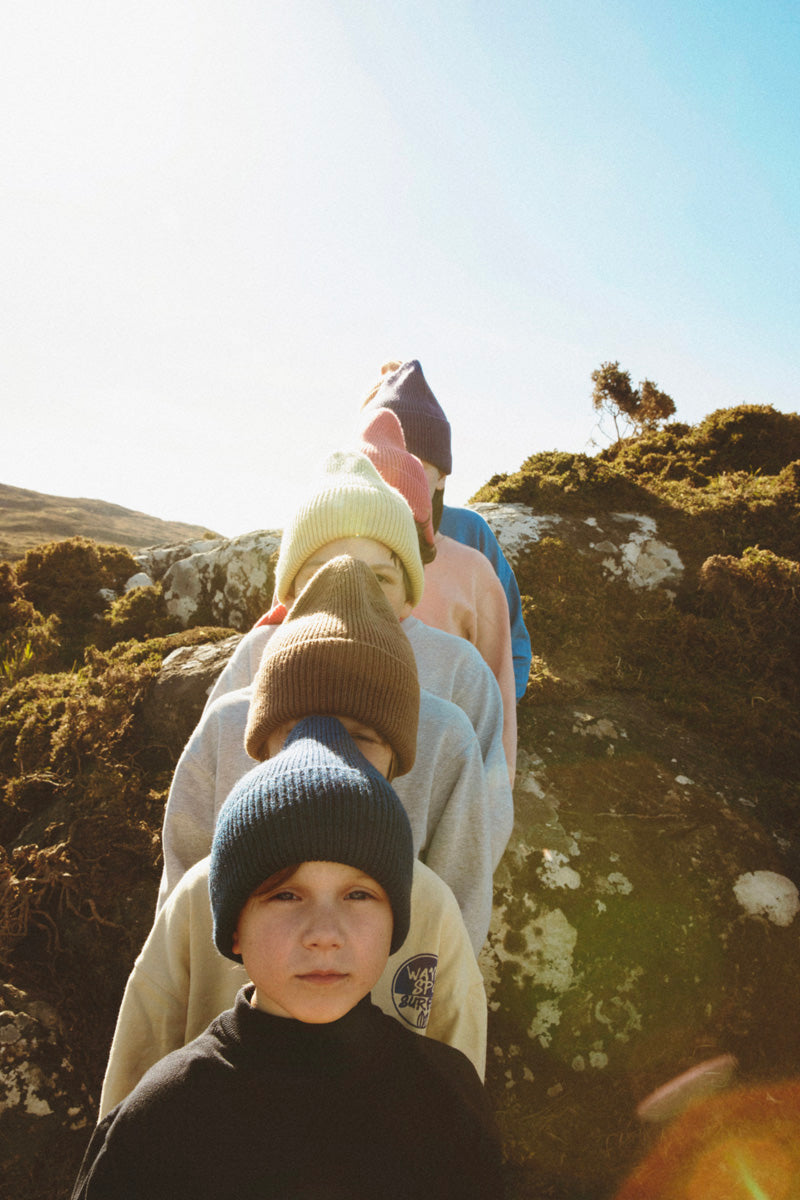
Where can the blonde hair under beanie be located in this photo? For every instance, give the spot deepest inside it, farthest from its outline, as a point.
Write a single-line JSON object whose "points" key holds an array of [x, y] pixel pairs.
{"points": [[350, 500], [340, 652]]}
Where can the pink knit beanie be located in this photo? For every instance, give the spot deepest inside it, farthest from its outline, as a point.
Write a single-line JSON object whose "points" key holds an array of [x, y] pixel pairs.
{"points": [[384, 445]]}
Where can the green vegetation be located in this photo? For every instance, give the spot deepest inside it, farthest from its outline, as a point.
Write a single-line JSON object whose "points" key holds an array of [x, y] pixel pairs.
{"points": [[82, 787], [724, 659], [82, 794], [730, 482], [636, 409], [723, 655]]}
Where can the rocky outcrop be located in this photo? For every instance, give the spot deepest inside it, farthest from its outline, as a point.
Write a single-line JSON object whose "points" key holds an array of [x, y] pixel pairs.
{"points": [[178, 695], [42, 1099], [645, 920], [220, 582], [625, 544], [229, 581], [155, 561], [646, 916]]}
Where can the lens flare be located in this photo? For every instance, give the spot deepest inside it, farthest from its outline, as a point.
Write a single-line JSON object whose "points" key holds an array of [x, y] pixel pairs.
{"points": [[742, 1144], [742, 1169]]}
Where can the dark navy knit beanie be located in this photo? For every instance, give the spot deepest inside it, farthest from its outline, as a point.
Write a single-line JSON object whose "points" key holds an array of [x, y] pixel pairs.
{"points": [[317, 800], [426, 430]]}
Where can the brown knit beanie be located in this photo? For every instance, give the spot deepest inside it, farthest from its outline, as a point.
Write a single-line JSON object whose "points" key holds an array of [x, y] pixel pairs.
{"points": [[349, 500], [340, 652]]}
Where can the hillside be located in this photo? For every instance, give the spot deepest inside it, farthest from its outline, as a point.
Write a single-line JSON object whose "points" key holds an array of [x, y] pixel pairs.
{"points": [[637, 931], [730, 482], [29, 518]]}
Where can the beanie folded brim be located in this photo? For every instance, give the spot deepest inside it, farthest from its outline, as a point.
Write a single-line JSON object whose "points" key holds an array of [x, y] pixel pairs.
{"points": [[336, 679]]}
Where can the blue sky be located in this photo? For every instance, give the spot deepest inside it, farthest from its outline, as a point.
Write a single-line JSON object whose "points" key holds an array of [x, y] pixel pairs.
{"points": [[218, 219]]}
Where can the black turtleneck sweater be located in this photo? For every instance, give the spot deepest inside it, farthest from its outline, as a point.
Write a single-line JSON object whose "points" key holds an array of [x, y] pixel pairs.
{"points": [[267, 1108]]}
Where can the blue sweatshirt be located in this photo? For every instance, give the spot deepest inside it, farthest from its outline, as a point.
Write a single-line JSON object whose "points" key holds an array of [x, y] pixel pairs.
{"points": [[471, 529]]}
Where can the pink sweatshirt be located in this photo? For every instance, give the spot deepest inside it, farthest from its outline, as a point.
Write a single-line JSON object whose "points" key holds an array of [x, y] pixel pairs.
{"points": [[464, 596]]}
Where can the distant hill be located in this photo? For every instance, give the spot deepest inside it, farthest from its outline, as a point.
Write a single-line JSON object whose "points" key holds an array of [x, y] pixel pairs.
{"points": [[30, 518]]}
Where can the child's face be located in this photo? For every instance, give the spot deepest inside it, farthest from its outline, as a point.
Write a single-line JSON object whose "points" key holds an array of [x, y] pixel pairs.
{"points": [[435, 477], [317, 943], [376, 749], [379, 558]]}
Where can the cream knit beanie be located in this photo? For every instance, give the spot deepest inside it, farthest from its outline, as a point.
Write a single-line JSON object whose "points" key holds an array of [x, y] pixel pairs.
{"points": [[349, 500]]}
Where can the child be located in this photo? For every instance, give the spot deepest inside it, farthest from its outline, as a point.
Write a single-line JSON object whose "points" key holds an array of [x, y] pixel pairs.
{"points": [[348, 659], [179, 983], [304, 1088], [463, 594], [404, 390], [342, 651], [352, 510]]}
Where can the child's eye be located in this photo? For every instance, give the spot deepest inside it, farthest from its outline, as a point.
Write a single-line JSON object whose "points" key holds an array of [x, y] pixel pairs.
{"points": [[285, 895], [369, 738], [360, 894]]}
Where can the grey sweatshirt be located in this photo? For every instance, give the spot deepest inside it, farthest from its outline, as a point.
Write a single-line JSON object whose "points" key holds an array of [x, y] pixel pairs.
{"points": [[445, 795]]}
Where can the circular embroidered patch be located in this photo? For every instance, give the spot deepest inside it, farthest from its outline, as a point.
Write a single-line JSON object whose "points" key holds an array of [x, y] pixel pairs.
{"points": [[412, 989]]}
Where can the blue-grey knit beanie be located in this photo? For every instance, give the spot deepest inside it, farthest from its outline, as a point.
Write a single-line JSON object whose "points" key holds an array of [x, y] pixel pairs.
{"points": [[426, 430], [317, 800]]}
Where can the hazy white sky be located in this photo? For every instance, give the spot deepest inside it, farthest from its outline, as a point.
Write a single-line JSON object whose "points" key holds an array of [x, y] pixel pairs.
{"points": [[218, 217]]}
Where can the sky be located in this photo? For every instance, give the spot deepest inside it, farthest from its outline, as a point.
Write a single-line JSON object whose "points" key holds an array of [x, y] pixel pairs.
{"points": [[218, 218]]}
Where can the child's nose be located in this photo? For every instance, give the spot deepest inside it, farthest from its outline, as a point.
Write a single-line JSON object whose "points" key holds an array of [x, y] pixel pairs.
{"points": [[324, 927]]}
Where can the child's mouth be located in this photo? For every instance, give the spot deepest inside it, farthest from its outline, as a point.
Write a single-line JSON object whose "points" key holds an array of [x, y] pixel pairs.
{"points": [[323, 977]]}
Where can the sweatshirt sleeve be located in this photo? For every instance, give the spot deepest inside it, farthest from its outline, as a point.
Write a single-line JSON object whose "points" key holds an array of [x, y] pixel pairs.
{"points": [[152, 1016], [472, 529], [188, 826], [493, 640], [463, 596], [458, 1014], [478, 694], [212, 761], [99, 1177], [459, 847], [178, 984], [241, 667]]}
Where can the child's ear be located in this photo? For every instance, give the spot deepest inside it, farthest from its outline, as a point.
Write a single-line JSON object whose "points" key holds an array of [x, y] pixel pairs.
{"points": [[405, 611], [235, 943]]}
